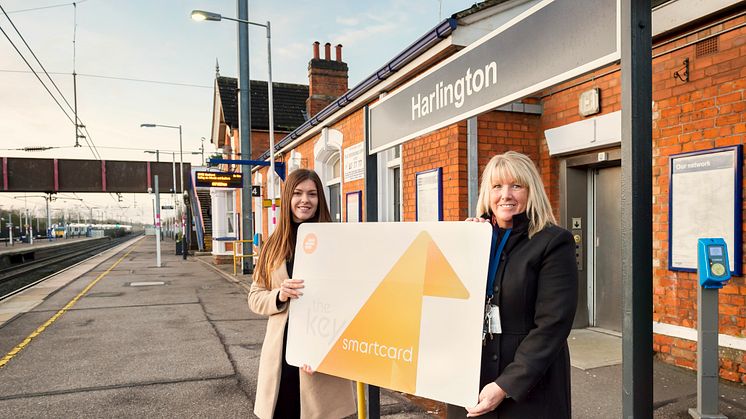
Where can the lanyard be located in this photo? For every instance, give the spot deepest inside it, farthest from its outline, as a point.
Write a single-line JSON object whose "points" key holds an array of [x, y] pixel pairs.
{"points": [[495, 261]]}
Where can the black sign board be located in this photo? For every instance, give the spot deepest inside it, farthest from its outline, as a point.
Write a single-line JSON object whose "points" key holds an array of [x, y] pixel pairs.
{"points": [[256, 190], [167, 207], [219, 179]]}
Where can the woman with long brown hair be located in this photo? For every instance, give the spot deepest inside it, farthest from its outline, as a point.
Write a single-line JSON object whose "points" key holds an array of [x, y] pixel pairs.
{"points": [[282, 391]]}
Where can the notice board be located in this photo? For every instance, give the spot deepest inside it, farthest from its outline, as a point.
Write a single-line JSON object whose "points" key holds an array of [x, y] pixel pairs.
{"points": [[705, 200]]}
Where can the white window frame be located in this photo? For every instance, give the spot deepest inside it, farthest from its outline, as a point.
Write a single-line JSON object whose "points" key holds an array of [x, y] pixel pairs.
{"points": [[294, 161], [387, 162], [326, 151], [232, 215]]}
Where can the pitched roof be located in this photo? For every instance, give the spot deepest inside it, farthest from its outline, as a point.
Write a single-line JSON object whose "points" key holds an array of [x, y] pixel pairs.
{"points": [[289, 103]]}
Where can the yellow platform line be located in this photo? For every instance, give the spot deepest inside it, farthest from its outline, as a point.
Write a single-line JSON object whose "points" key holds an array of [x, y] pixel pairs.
{"points": [[13, 352]]}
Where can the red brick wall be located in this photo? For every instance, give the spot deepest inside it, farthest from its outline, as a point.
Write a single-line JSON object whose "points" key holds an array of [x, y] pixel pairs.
{"points": [[499, 132], [560, 107], [327, 80], [444, 148], [706, 112], [260, 142], [353, 132]]}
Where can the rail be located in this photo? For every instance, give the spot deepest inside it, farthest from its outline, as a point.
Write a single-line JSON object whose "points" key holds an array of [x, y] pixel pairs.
{"points": [[16, 278], [237, 256]]}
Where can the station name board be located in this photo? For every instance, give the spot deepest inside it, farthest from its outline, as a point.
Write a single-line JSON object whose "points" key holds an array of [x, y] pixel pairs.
{"points": [[219, 179]]}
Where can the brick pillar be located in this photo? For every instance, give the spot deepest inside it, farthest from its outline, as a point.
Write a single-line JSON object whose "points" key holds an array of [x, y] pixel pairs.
{"points": [[327, 79]]}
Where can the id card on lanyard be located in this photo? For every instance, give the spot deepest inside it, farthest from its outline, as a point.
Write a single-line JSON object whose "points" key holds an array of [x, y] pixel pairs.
{"points": [[492, 311]]}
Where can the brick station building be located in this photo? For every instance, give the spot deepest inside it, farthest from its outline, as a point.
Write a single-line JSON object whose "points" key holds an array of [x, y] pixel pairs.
{"points": [[572, 131]]}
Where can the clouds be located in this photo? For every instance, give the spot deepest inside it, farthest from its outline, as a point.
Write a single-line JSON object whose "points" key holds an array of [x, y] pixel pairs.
{"points": [[348, 21]]}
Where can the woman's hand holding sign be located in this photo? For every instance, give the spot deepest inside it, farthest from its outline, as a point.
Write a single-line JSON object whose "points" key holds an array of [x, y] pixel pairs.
{"points": [[290, 289], [489, 398]]}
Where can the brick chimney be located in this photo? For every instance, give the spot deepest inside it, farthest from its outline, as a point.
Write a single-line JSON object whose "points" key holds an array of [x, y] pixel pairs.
{"points": [[327, 79]]}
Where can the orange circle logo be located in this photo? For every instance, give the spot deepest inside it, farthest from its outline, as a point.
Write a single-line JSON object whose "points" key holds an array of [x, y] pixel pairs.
{"points": [[310, 242]]}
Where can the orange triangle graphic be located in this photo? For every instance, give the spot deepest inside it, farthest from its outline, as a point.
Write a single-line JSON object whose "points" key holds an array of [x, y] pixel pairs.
{"points": [[381, 343], [440, 279]]}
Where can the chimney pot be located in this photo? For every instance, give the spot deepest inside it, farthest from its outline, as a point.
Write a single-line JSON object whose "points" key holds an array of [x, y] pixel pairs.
{"points": [[316, 50], [339, 52], [327, 51]]}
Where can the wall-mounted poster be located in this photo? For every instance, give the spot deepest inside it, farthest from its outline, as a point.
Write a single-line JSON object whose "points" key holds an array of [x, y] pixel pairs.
{"points": [[354, 162], [705, 201], [354, 206], [429, 196]]}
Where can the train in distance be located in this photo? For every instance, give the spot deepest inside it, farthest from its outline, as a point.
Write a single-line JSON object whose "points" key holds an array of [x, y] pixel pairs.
{"points": [[91, 230]]}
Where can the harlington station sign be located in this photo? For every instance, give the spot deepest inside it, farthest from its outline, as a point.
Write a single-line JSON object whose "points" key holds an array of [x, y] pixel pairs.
{"points": [[552, 41]]}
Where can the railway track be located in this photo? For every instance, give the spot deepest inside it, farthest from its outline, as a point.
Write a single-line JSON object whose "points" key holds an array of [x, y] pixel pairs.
{"points": [[17, 278]]}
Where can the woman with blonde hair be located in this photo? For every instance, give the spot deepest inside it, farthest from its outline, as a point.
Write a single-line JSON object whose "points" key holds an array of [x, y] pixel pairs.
{"points": [[282, 391], [530, 298]]}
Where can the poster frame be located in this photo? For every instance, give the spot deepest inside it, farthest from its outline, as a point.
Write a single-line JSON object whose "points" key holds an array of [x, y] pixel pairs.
{"points": [[358, 197], [674, 219], [438, 173]]}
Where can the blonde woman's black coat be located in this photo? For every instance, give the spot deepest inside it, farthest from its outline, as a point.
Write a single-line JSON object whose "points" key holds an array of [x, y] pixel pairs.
{"points": [[536, 286]]}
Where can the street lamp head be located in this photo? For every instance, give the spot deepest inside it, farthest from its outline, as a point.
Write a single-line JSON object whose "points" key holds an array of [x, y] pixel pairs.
{"points": [[147, 125], [200, 15]]}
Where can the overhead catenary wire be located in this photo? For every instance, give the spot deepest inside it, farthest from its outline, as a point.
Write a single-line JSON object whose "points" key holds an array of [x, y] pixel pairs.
{"points": [[44, 7], [75, 122], [132, 79], [37, 75]]}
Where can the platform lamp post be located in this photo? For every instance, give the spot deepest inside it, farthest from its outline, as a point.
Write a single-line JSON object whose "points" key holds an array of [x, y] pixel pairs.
{"points": [[210, 16], [182, 207], [173, 170]]}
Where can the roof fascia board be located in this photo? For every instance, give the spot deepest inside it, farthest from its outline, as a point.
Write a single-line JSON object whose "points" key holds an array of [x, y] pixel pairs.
{"points": [[373, 93], [473, 27], [677, 13], [494, 10]]}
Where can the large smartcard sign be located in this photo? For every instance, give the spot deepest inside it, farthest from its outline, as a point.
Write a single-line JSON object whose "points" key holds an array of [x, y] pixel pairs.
{"points": [[403, 311], [551, 42]]}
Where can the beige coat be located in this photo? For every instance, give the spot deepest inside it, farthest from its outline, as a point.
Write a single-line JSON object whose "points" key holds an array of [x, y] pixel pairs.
{"points": [[321, 395]]}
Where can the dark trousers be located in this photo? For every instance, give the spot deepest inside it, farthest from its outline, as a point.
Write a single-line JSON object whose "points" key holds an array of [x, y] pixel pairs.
{"points": [[288, 397]]}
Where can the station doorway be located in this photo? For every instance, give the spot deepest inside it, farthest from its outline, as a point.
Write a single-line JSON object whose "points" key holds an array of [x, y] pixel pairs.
{"points": [[605, 265], [591, 204]]}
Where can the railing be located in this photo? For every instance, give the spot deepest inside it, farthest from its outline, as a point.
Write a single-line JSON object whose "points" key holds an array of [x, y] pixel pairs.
{"points": [[237, 256]]}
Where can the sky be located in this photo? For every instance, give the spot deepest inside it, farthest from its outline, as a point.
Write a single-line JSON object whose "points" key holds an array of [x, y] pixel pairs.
{"points": [[175, 57]]}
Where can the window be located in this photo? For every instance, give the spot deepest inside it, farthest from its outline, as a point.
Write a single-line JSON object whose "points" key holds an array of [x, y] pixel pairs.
{"points": [[328, 164], [396, 189], [390, 184], [334, 190], [294, 162], [230, 213]]}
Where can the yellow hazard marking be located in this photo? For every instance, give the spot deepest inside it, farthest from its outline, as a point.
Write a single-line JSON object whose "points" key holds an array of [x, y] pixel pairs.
{"points": [[13, 352]]}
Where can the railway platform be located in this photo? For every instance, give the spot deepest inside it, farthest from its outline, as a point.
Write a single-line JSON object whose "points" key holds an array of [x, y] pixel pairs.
{"points": [[117, 337], [122, 338]]}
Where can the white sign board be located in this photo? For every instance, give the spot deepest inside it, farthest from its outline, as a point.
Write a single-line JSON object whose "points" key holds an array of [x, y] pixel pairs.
{"points": [[705, 202], [429, 195], [404, 311], [354, 162], [552, 41]]}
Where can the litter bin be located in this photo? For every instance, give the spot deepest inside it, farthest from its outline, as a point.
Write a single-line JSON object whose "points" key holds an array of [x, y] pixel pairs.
{"points": [[179, 247]]}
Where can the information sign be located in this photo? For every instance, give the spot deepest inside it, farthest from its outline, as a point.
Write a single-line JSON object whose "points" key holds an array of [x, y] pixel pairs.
{"points": [[219, 179], [705, 201]]}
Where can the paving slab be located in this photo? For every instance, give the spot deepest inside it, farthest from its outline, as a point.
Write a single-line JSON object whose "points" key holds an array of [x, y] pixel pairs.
{"points": [[220, 398]]}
